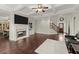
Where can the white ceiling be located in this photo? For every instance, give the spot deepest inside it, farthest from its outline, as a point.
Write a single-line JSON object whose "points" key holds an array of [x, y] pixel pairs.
{"points": [[6, 9]]}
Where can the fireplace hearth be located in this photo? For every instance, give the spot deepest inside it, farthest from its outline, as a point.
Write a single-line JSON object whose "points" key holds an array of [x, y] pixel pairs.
{"points": [[21, 33]]}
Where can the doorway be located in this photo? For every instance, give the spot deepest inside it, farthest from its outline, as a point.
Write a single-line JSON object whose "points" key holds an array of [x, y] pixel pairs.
{"points": [[4, 29]]}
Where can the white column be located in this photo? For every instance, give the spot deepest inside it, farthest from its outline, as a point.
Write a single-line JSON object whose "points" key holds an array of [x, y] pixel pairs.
{"points": [[12, 30], [27, 31]]}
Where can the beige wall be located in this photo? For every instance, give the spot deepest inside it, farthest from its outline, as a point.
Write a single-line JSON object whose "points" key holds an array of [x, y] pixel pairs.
{"points": [[43, 26]]}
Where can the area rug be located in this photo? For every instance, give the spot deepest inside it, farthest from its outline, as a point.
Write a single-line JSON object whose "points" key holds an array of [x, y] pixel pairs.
{"points": [[52, 47]]}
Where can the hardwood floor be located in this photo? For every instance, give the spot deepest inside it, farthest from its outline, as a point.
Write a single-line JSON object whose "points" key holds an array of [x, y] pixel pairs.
{"points": [[24, 46]]}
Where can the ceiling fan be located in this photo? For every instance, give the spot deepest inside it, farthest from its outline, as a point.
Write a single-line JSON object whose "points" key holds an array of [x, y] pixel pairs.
{"points": [[40, 8]]}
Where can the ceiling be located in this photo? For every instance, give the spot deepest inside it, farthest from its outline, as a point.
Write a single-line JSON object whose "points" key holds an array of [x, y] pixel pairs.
{"points": [[26, 9]]}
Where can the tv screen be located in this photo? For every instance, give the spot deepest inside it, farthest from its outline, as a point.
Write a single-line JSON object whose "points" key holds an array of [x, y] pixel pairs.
{"points": [[20, 19]]}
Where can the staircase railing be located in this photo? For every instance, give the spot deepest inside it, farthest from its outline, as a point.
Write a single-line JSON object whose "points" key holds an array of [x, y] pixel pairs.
{"points": [[56, 28]]}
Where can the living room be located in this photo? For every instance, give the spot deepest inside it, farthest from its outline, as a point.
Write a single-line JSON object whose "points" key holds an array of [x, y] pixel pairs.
{"points": [[29, 30]]}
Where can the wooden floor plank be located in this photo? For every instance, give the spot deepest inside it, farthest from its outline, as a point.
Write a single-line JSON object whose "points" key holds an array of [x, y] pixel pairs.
{"points": [[24, 46]]}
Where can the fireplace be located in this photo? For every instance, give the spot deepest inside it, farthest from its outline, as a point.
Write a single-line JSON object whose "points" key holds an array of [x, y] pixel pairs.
{"points": [[21, 33]]}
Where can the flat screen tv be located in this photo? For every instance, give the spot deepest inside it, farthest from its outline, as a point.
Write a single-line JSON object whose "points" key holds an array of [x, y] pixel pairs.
{"points": [[20, 19]]}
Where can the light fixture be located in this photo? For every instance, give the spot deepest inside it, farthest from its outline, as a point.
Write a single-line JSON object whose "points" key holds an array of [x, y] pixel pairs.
{"points": [[61, 19], [40, 8]]}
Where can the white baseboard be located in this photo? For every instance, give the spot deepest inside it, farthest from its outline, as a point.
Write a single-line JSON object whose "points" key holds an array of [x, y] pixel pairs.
{"points": [[46, 33]]}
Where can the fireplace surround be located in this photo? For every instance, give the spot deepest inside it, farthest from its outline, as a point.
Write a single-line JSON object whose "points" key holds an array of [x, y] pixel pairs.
{"points": [[21, 33]]}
